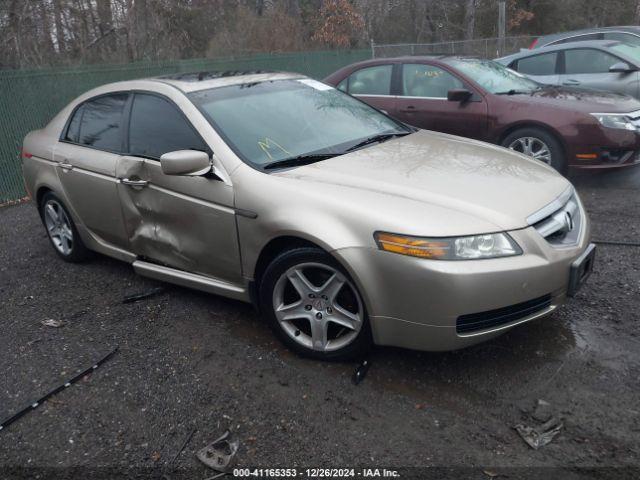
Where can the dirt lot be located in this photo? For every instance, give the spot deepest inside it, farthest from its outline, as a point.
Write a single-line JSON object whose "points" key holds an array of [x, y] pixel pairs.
{"points": [[188, 361]]}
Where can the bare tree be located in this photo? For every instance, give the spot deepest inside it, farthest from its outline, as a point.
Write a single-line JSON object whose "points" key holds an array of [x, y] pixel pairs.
{"points": [[470, 19], [35, 33]]}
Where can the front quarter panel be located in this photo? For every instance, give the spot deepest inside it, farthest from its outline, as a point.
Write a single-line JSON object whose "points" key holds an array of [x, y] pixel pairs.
{"points": [[271, 207]]}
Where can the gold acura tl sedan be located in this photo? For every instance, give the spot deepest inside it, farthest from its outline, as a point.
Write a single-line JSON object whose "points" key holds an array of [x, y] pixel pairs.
{"points": [[344, 226]]}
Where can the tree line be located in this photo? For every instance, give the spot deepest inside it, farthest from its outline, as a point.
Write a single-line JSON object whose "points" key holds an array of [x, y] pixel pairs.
{"points": [[40, 33]]}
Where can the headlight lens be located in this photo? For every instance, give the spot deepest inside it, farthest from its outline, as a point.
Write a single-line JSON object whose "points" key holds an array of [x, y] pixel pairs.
{"points": [[491, 245], [614, 121]]}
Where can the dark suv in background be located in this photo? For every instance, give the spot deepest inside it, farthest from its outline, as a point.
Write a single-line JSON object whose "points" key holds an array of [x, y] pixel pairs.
{"points": [[482, 99]]}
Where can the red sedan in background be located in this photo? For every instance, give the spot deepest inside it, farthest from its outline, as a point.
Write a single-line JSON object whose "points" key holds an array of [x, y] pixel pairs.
{"points": [[481, 99]]}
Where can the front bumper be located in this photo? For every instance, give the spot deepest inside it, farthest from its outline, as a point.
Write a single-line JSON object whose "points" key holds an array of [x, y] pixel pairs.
{"points": [[415, 303], [603, 148]]}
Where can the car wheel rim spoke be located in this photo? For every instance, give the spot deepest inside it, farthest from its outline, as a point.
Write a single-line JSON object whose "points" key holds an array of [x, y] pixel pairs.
{"points": [[317, 320], [319, 334], [59, 227], [332, 287], [344, 318], [532, 147], [285, 313], [302, 285], [51, 212]]}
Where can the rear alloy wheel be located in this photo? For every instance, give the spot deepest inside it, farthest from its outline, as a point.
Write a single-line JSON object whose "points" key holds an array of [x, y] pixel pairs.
{"points": [[538, 144], [61, 229], [313, 307]]}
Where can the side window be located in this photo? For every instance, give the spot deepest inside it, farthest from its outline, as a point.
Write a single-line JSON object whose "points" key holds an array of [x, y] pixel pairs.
{"points": [[101, 125], [344, 85], [579, 38], [73, 130], [157, 127], [588, 61], [427, 81], [538, 64], [371, 81], [623, 37]]}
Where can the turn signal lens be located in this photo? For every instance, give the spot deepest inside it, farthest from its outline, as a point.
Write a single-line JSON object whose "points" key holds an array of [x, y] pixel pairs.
{"points": [[412, 246], [491, 245]]}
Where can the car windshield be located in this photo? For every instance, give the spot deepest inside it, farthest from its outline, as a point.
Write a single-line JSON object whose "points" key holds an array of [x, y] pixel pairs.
{"points": [[631, 51], [493, 77], [274, 121]]}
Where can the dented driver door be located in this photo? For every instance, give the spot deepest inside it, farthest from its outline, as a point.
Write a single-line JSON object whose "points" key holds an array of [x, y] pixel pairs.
{"points": [[182, 222]]}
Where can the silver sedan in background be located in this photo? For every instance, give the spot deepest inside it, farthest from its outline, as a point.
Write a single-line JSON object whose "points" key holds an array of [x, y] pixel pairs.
{"points": [[600, 64], [345, 227]]}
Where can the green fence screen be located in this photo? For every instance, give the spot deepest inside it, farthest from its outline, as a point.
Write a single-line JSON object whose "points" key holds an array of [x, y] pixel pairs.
{"points": [[30, 98]]}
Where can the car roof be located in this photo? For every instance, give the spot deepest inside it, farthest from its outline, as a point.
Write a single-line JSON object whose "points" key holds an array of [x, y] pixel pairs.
{"points": [[435, 58], [554, 37], [599, 44], [195, 81]]}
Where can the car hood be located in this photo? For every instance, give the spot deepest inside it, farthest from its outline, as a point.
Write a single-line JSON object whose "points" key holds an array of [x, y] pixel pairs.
{"points": [[437, 184], [580, 99]]}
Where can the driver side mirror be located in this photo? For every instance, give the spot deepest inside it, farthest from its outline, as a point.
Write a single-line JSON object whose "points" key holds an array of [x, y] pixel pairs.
{"points": [[185, 162], [622, 67], [458, 95]]}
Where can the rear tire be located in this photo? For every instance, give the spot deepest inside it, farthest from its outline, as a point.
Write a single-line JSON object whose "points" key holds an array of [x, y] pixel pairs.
{"points": [[313, 306], [539, 144], [61, 230]]}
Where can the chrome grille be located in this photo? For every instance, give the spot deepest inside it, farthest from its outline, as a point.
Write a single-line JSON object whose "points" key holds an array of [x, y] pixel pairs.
{"points": [[634, 118], [563, 225]]}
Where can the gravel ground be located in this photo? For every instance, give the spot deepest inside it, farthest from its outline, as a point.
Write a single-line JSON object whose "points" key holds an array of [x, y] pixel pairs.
{"points": [[190, 361]]}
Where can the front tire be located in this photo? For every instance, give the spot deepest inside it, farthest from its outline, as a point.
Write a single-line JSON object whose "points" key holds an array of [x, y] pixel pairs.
{"points": [[538, 144], [314, 307], [61, 230]]}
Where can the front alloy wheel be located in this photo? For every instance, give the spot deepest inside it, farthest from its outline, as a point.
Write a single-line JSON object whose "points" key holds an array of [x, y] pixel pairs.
{"points": [[532, 147], [313, 306], [538, 144]]}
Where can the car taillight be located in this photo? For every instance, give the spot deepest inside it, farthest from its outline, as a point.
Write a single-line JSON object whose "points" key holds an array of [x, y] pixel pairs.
{"points": [[25, 154], [533, 44]]}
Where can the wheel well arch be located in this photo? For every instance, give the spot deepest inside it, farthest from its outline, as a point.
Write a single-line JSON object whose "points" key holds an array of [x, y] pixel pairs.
{"points": [[40, 193], [540, 126], [275, 247]]}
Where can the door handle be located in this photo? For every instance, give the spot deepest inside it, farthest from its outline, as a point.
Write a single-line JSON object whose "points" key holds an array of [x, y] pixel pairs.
{"points": [[65, 166], [134, 183], [409, 109], [571, 82]]}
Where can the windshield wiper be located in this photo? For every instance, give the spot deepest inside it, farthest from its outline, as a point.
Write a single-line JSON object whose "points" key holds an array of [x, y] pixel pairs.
{"points": [[375, 139], [299, 160], [514, 92]]}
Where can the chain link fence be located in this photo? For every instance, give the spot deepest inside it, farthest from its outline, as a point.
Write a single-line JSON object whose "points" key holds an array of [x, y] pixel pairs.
{"points": [[29, 99], [483, 47]]}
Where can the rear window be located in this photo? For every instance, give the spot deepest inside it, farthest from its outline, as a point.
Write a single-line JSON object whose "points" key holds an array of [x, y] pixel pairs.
{"points": [[101, 122], [623, 37], [538, 64]]}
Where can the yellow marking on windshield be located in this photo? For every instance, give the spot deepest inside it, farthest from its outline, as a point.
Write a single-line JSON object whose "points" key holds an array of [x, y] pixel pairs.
{"points": [[267, 144]]}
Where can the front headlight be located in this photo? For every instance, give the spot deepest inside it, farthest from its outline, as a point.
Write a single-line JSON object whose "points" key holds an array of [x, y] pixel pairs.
{"points": [[491, 245], [611, 120]]}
